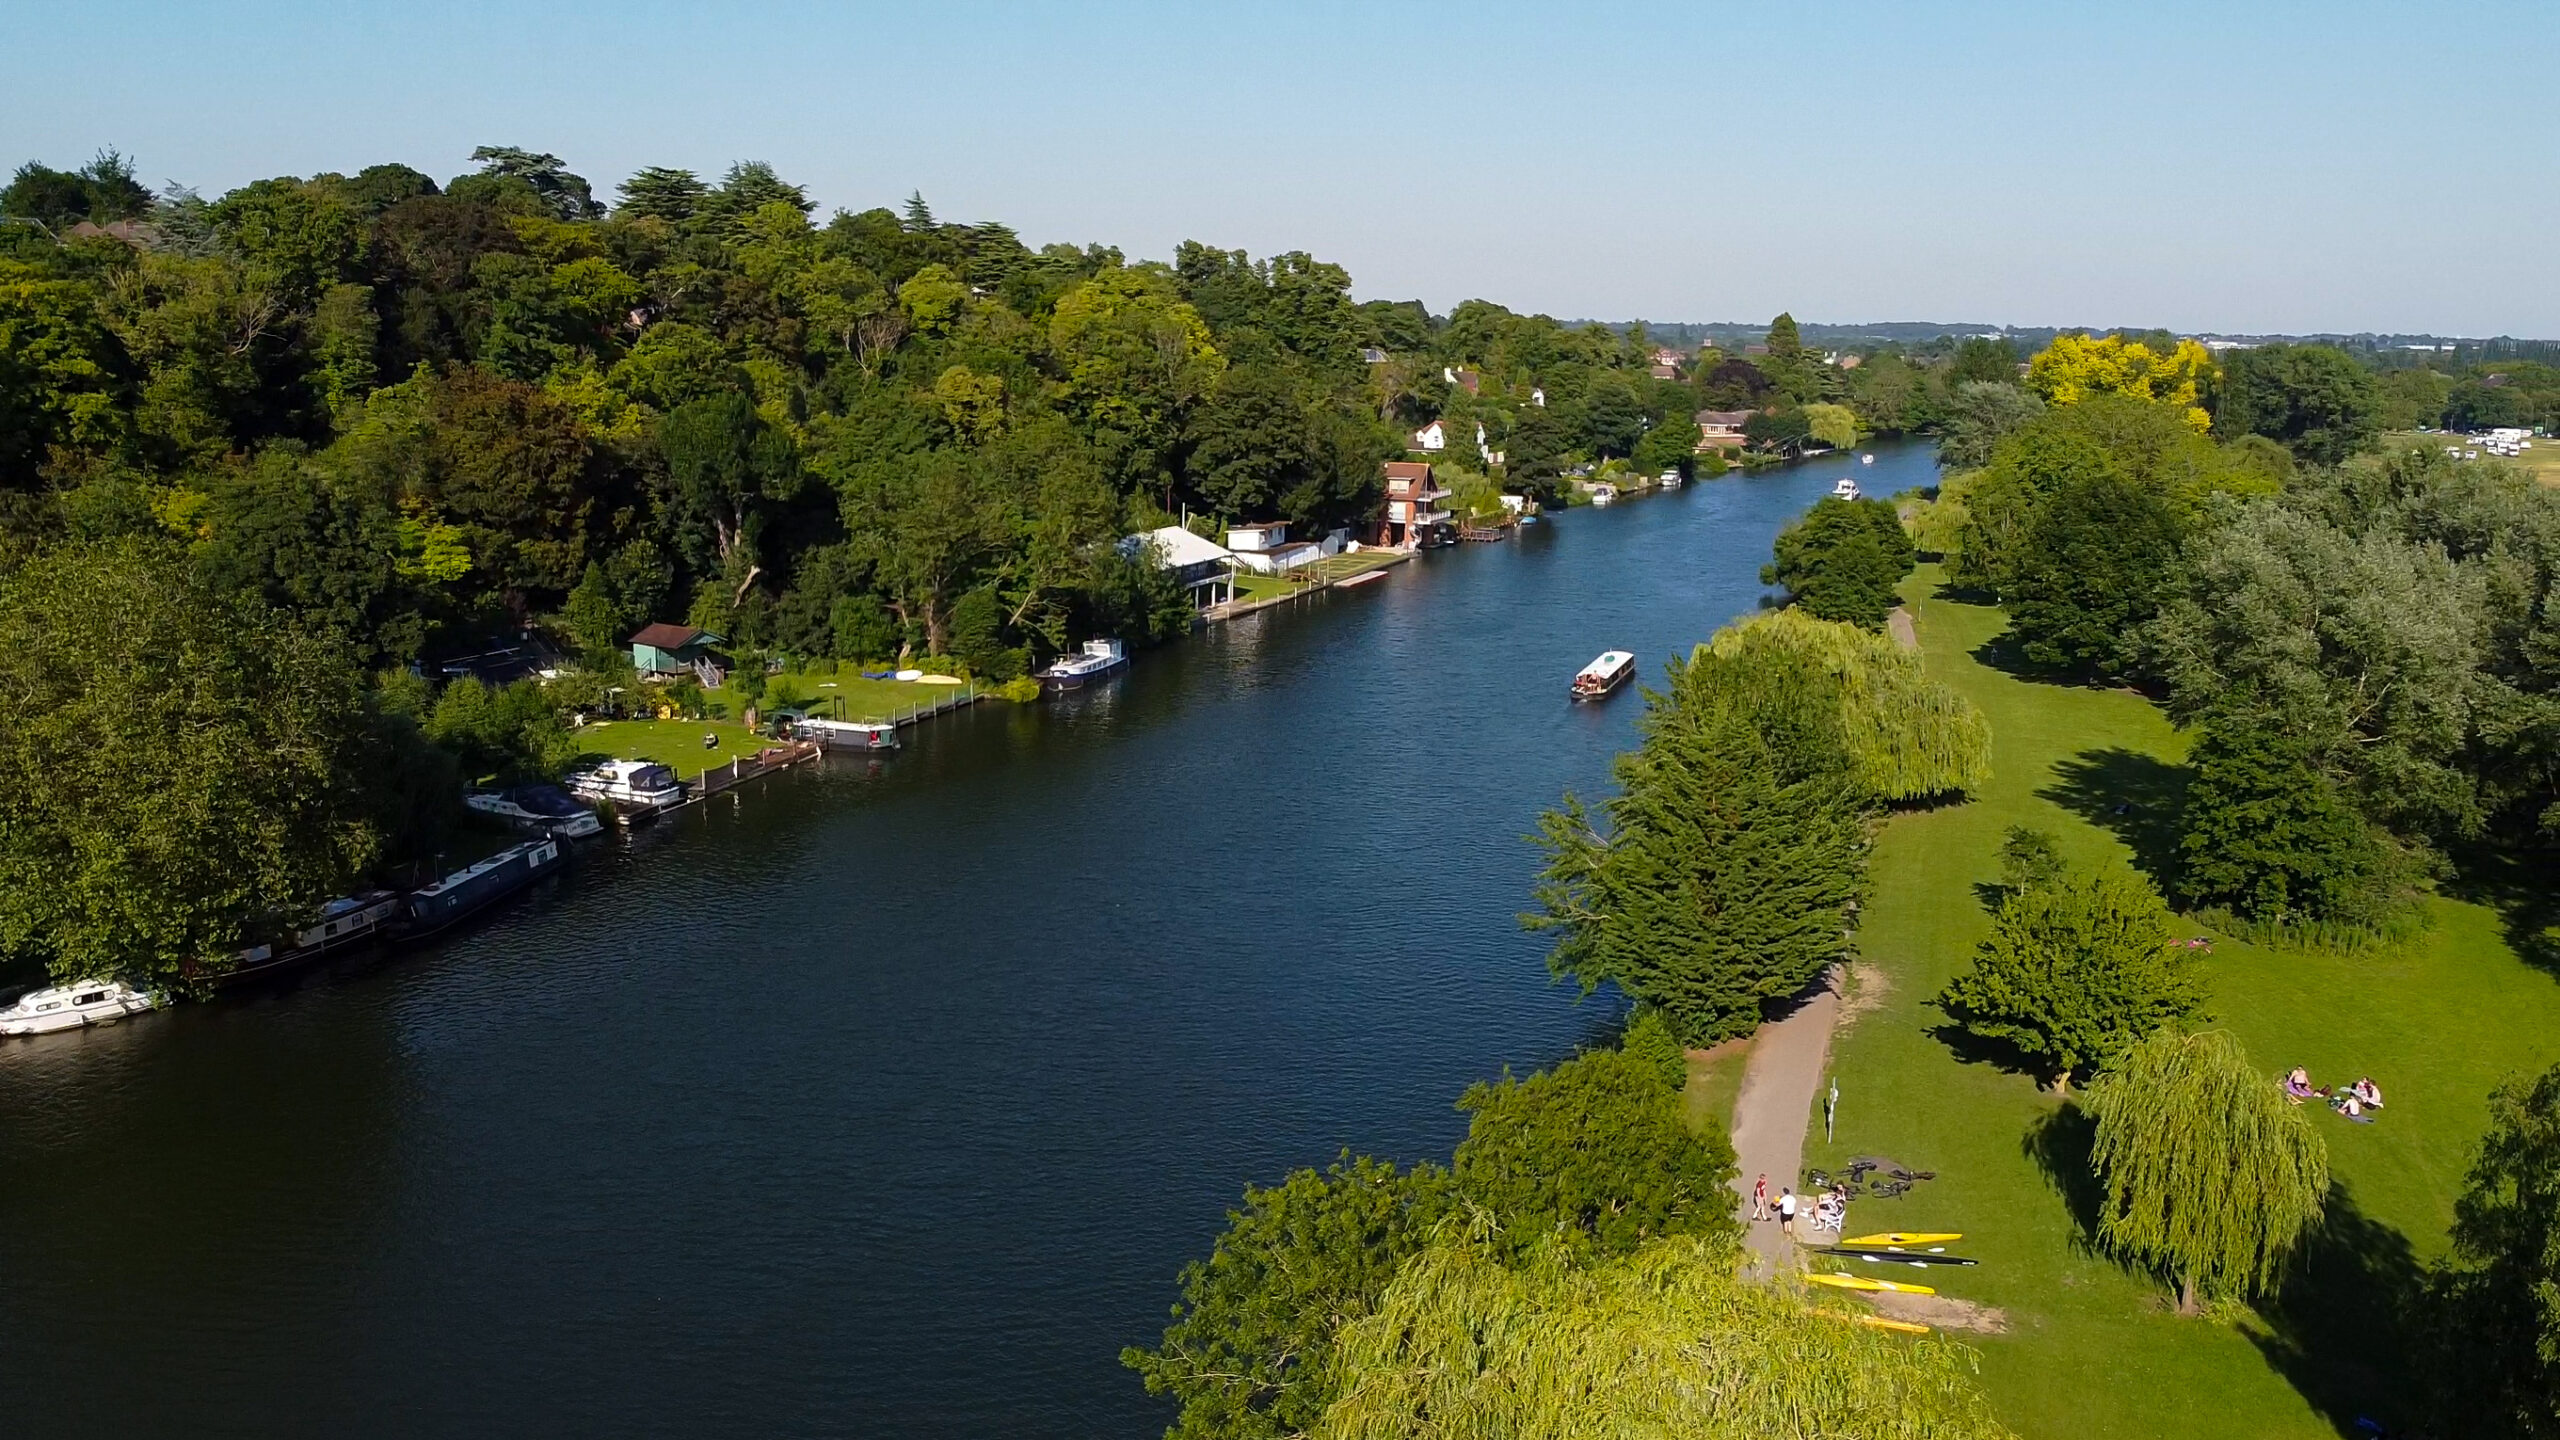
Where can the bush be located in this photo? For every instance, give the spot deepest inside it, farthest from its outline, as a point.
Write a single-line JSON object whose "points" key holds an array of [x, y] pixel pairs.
{"points": [[1843, 560]]}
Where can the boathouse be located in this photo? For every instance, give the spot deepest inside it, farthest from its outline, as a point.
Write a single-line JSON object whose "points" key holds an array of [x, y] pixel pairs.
{"points": [[1202, 566], [676, 650]]}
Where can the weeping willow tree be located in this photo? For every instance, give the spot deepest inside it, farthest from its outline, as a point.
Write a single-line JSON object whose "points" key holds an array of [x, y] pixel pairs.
{"points": [[1907, 736], [1665, 1341], [2212, 1176]]}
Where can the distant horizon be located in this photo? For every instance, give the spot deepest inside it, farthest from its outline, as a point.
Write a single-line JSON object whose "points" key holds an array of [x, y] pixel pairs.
{"points": [[2267, 169]]}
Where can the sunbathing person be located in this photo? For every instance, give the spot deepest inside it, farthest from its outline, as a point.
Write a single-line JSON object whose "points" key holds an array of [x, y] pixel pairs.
{"points": [[2297, 1086], [2367, 1094]]}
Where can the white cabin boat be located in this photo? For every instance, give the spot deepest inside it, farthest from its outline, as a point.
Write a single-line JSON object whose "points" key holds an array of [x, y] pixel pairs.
{"points": [[1847, 489], [1603, 675], [1604, 493], [847, 734], [537, 810], [1097, 659], [1866, 459], [630, 784], [1668, 480], [68, 1007]]}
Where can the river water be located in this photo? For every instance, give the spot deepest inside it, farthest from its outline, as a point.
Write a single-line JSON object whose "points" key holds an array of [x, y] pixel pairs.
{"points": [[873, 1099]]}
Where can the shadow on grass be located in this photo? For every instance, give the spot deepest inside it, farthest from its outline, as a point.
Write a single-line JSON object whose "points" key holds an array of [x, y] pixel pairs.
{"points": [[2343, 1327], [2137, 796], [2059, 1144], [2515, 883], [1971, 1049]]}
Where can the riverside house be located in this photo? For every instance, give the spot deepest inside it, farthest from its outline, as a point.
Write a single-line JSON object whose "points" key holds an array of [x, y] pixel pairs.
{"points": [[665, 650], [1413, 503], [1721, 429]]}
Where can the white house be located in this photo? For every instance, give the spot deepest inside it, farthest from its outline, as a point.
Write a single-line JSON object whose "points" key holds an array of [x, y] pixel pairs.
{"points": [[1433, 437], [1267, 548], [1205, 567]]}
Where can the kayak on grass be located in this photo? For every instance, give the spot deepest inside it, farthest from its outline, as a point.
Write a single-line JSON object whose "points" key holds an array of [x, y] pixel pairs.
{"points": [[1869, 1282], [1906, 1237]]}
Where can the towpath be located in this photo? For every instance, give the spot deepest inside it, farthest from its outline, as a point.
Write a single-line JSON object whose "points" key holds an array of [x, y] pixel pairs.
{"points": [[1779, 1083]]}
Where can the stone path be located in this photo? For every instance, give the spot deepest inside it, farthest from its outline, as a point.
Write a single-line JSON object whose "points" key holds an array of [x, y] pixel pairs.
{"points": [[1779, 1083]]}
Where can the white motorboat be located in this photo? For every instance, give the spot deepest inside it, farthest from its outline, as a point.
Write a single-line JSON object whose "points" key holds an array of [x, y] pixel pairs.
{"points": [[1669, 480], [633, 784], [1604, 493], [1603, 675], [68, 1007], [1847, 489], [1097, 659], [537, 810], [1866, 459]]}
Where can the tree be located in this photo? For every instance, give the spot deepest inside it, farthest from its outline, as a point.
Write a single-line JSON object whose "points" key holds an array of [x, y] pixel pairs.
{"points": [[1667, 1341], [1843, 559], [727, 467], [2498, 1294], [2077, 367], [1720, 876], [1592, 1155], [1672, 444], [655, 192], [1980, 414], [188, 770], [2211, 1176], [2098, 557], [568, 196], [1650, 1040], [1833, 425], [2077, 968], [1249, 1352], [2266, 835], [2314, 399], [1983, 360], [1903, 735]]}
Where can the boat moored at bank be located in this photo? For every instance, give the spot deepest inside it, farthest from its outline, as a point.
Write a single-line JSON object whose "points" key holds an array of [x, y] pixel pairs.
{"points": [[866, 735], [476, 887], [347, 921], [630, 786], [538, 810], [1098, 659], [1604, 675], [70, 1007]]}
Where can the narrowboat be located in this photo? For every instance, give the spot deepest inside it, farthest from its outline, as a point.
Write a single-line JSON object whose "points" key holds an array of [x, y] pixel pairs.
{"points": [[1603, 675], [68, 1007], [468, 891], [347, 920], [1098, 658]]}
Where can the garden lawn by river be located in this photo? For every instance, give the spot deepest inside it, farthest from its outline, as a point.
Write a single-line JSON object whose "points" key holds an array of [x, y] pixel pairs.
{"points": [[676, 744], [2093, 1351]]}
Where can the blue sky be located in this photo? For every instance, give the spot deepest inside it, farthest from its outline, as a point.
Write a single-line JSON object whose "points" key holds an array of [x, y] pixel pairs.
{"points": [[2232, 166]]}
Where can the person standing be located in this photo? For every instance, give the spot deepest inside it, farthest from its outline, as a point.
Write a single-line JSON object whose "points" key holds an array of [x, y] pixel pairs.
{"points": [[1760, 1197], [1787, 1212]]}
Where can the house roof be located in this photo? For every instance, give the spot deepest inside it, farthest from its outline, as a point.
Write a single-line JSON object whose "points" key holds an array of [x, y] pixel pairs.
{"points": [[1180, 548], [1408, 470], [672, 637], [1723, 417]]}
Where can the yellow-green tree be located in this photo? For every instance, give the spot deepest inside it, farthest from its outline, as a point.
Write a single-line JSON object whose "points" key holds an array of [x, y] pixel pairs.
{"points": [[2075, 367]]}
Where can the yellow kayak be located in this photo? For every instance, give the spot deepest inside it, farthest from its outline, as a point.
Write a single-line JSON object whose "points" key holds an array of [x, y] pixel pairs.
{"points": [[1869, 1282], [1907, 1327], [1901, 1237]]}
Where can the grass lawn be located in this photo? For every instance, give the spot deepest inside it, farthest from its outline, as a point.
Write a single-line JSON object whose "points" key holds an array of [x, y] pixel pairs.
{"points": [[1715, 1079], [2542, 462], [1252, 587], [676, 744], [2092, 1351], [863, 699]]}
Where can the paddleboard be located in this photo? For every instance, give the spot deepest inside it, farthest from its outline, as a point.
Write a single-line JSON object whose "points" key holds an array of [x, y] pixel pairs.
{"points": [[1906, 1237], [1907, 1327], [1869, 1282]]}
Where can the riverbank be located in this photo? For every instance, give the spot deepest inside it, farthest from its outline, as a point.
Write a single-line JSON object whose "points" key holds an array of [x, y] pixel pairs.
{"points": [[2092, 1351]]}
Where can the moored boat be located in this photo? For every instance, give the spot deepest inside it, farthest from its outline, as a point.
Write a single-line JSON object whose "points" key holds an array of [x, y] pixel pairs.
{"points": [[475, 887], [1669, 480], [1603, 675], [345, 921], [1097, 659], [847, 734], [68, 1007], [537, 810], [630, 785], [1604, 493]]}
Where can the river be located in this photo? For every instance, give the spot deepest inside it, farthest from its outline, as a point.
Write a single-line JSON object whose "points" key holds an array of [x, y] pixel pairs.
{"points": [[872, 1099]]}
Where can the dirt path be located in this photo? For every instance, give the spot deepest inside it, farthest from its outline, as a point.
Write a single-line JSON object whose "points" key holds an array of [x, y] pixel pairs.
{"points": [[1776, 1104], [1904, 635]]}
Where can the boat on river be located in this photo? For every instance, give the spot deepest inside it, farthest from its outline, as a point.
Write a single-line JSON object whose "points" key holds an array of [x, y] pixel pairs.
{"points": [[1604, 493], [537, 810], [1098, 659], [69, 1007], [1602, 676], [630, 786], [346, 921], [474, 888], [1847, 489], [847, 734]]}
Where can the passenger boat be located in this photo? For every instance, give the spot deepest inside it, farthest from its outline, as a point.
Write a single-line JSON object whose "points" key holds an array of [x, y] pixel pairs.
{"points": [[474, 888], [1847, 489], [1097, 659], [538, 810], [631, 784], [847, 734], [347, 920], [1603, 675], [68, 1007]]}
